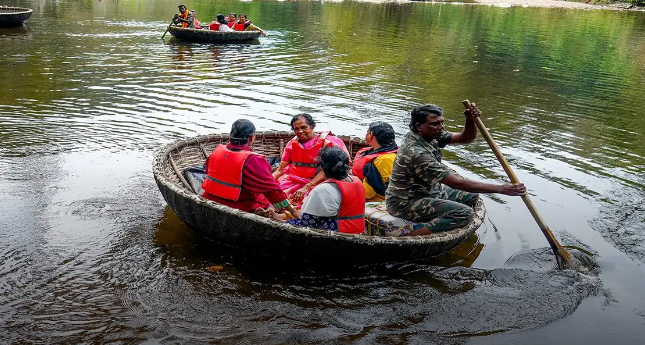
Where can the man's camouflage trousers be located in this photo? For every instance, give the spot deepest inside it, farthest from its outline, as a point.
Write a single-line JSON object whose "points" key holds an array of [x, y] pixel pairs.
{"points": [[450, 209]]}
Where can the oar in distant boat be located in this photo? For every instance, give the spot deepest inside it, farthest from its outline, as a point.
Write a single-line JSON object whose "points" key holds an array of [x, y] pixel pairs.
{"points": [[168, 28], [562, 256]]}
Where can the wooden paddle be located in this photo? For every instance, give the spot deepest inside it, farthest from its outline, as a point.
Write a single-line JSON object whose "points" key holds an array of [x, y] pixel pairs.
{"points": [[168, 28], [562, 256]]}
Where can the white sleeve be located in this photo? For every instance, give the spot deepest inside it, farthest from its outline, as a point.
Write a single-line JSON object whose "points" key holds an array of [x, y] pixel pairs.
{"points": [[323, 201]]}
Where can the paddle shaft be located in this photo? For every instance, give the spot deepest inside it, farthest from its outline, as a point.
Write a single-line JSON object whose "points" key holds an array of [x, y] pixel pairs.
{"points": [[558, 250], [168, 28]]}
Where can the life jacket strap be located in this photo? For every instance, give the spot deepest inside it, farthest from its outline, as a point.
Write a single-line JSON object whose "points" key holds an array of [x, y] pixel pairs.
{"points": [[305, 165], [350, 217], [224, 183]]}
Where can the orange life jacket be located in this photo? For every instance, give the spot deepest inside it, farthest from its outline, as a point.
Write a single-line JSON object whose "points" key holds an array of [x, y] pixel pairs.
{"points": [[304, 160], [351, 215], [214, 26], [360, 162], [184, 17], [224, 177]]}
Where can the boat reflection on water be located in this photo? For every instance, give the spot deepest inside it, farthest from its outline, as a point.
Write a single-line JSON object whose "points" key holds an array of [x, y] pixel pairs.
{"points": [[15, 32], [441, 293]]}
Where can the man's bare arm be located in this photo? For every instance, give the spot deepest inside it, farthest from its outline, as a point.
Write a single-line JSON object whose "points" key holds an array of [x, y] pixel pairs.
{"points": [[456, 182], [470, 129]]}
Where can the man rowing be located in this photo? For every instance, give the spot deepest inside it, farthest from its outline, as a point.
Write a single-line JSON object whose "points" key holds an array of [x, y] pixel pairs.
{"points": [[422, 189], [184, 17]]}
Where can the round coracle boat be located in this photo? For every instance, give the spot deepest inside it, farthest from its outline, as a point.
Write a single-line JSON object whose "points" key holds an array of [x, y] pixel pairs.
{"points": [[210, 36], [14, 16], [259, 235]]}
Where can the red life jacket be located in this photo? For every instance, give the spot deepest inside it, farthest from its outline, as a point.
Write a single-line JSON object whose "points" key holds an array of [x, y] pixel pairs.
{"points": [[240, 27], [230, 24], [351, 215], [360, 162], [224, 177], [304, 160], [214, 26]]}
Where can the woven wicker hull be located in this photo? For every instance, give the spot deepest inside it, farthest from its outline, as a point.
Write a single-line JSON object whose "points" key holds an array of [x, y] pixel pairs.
{"points": [[260, 235], [209, 36], [13, 16]]}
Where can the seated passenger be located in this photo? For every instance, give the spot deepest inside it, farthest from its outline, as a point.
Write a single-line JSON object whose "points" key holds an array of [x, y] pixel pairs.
{"points": [[299, 171], [231, 20], [246, 25], [239, 178], [194, 13], [338, 204], [184, 17], [373, 164], [219, 24]]}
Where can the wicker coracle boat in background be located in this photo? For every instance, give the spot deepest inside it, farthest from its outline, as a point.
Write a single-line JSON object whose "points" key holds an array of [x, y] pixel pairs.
{"points": [[210, 36], [256, 234], [14, 16]]}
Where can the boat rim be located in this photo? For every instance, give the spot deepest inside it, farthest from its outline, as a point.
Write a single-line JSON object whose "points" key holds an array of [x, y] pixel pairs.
{"points": [[165, 151], [212, 31], [24, 10]]}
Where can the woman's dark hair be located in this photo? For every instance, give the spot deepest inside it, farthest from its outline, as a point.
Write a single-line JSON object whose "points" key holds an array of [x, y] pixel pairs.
{"points": [[420, 114], [241, 131], [221, 19], [242, 14], [307, 117], [334, 162], [383, 132]]}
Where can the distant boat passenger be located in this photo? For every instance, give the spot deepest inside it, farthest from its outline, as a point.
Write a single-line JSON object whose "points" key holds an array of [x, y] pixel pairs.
{"points": [[194, 13], [243, 24], [219, 24], [231, 19], [185, 18], [373, 164], [299, 170], [239, 178], [337, 204]]}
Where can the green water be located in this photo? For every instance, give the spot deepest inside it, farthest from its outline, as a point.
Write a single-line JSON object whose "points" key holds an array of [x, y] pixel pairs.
{"points": [[90, 253]]}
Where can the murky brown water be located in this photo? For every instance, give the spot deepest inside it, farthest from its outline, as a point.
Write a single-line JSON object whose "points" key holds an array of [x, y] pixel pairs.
{"points": [[89, 251]]}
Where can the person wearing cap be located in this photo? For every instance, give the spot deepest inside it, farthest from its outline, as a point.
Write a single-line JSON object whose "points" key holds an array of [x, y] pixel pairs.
{"points": [[373, 164], [239, 178], [425, 191]]}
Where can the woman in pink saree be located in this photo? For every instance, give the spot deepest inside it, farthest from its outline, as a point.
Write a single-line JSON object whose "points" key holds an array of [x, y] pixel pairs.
{"points": [[299, 171]]}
